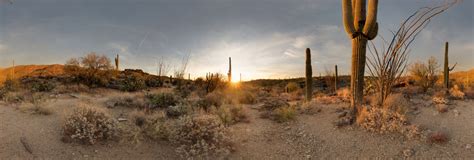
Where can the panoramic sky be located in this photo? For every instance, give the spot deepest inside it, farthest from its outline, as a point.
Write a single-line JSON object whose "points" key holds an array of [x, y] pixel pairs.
{"points": [[265, 38]]}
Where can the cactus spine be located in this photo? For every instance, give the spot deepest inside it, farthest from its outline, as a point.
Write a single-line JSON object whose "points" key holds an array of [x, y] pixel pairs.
{"points": [[335, 78], [117, 62], [446, 66], [229, 74], [360, 28], [309, 76]]}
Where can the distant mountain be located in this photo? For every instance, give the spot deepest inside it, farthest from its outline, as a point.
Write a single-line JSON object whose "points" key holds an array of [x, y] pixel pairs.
{"points": [[31, 70]]}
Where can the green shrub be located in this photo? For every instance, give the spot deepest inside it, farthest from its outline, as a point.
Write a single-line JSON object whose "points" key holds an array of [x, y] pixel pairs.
{"points": [[42, 86], [284, 114], [131, 83], [162, 100]]}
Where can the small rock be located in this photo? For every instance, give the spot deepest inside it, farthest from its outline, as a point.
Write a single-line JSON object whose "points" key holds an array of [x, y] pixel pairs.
{"points": [[287, 128], [456, 112], [416, 112], [86, 156], [408, 152], [308, 156], [96, 151], [468, 146], [341, 114], [121, 119]]}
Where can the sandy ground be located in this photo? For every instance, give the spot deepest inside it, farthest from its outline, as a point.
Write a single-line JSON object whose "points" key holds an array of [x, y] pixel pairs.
{"points": [[308, 137]]}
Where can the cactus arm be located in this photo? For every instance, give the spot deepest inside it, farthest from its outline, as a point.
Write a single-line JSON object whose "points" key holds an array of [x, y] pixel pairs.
{"points": [[359, 14], [371, 17], [348, 19], [373, 32], [452, 68]]}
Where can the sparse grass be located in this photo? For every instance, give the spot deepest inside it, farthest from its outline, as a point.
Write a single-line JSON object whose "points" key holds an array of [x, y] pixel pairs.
{"points": [[40, 109], [89, 125], [397, 103], [456, 92], [214, 99], [292, 87], [125, 100]]}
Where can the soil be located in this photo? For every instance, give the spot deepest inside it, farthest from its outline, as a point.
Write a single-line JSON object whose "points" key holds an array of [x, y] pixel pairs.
{"points": [[308, 137]]}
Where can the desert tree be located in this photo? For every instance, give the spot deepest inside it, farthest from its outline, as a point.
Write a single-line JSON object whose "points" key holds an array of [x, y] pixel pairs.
{"points": [[96, 62], [425, 75], [387, 64]]}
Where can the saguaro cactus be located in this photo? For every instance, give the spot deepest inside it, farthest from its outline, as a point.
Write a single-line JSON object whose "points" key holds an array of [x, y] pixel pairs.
{"points": [[309, 76], [117, 62], [360, 28], [446, 66], [229, 74], [335, 78]]}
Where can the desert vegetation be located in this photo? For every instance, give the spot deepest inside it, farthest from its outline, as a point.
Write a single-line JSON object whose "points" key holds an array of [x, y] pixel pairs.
{"points": [[91, 109]]}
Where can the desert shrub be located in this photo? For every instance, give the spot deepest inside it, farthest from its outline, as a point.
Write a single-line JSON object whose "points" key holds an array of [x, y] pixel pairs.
{"points": [[92, 70], [88, 125], [153, 82], [162, 100], [456, 93], [156, 127], [344, 94], [131, 83], [273, 104], [178, 110], [292, 86], [42, 86], [380, 120], [200, 136], [231, 114], [309, 108], [284, 114], [469, 93], [425, 74], [13, 97], [10, 85], [214, 99], [145, 125], [396, 103], [246, 97], [327, 99], [126, 101], [440, 98]]}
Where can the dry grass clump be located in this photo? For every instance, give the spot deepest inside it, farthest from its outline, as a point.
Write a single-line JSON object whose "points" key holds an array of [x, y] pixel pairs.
{"points": [[277, 110], [200, 136], [144, 125], [71, 88], [129, 101], [344, 94], [412, 90], [456, 92], [36, 106], [292, 87], [88, 125], [440, 98], [469, 93], [231, 114], [246, 97], [178, 110], [309, 108], [328, 99], [273, 104]]}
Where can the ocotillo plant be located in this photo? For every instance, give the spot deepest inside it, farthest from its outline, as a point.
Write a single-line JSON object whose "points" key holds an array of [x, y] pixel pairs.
{"points": [[447, 69], [360, 28], [117, 62], [335, 78], [229, 75], [309, 76]]}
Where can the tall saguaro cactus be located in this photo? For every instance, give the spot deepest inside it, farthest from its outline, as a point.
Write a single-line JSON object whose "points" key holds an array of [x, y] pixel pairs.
{"points": [[335, 78], [309, 76], [229, 74], [360, 28], [447, 69], [117, 62]]}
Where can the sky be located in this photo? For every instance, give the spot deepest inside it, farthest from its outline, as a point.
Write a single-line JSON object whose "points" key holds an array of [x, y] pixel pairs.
{"points": [[265, 38]]}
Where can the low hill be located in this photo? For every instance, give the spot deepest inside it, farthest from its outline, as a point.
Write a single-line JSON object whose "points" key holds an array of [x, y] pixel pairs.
{"points": [[31, 70], [463, 76]]}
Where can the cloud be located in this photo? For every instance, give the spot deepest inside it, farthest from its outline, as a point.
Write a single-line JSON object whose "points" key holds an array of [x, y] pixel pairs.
{"points": [[3, 47]]}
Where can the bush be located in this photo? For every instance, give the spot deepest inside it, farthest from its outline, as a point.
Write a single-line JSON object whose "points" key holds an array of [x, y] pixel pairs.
{"points": [[178, 110], [231, 114], [42, 86], [131, 83], [284, 114], [246, 97], [210, 100], [200, 136], [397, 103], [126, 101], [385, 121], [292, 86], [89, 125], [456, 93], [425, 74], [37, 106], [162, 100]]}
